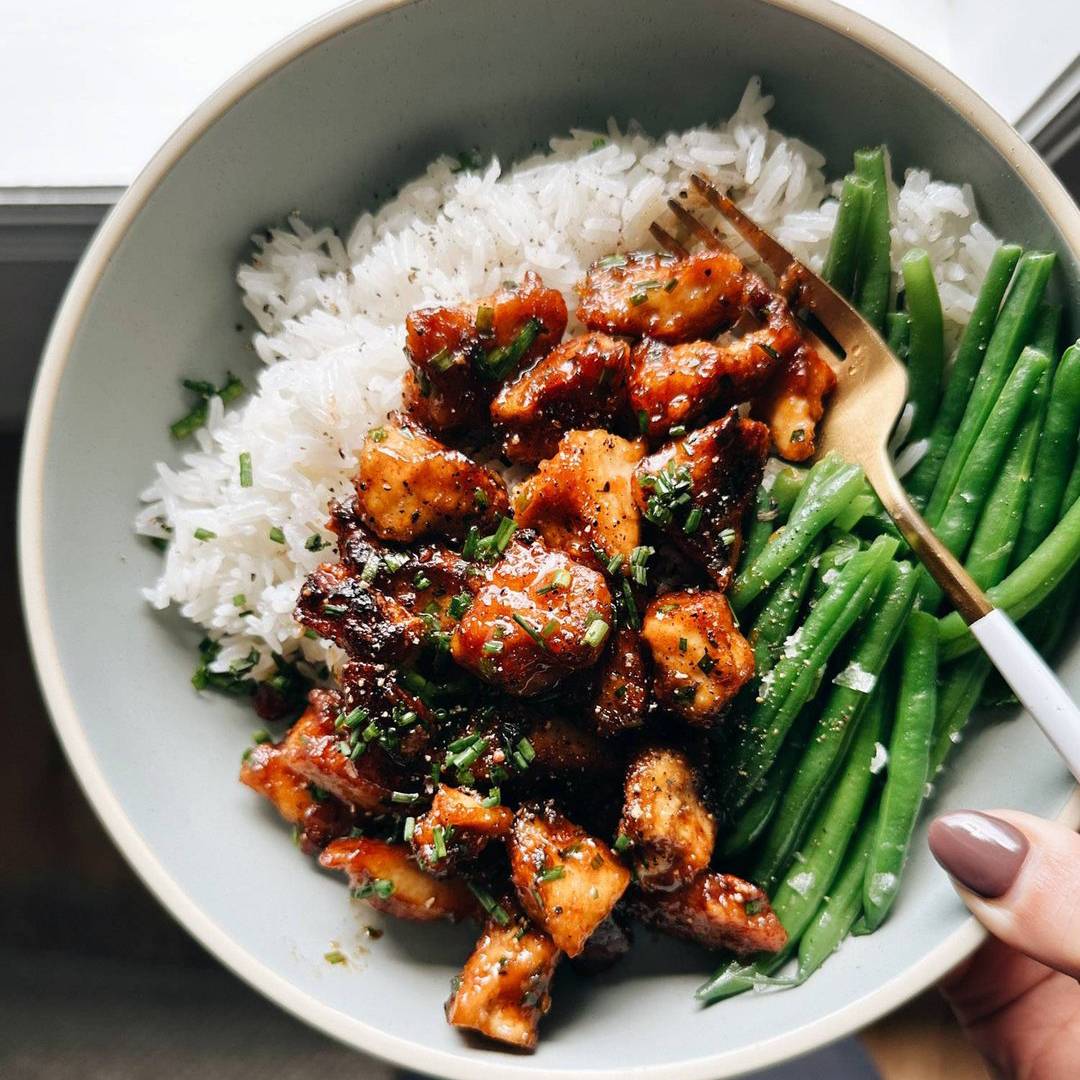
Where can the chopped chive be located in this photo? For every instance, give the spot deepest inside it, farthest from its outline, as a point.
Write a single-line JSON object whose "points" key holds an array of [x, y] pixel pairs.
{"points": [[246, 477], [500, 361], [204, 534], [528, 628], [439, 837], [682, 644], [470, 754], [421, 581], [494, 798], [277, 535], [378, 434], [371, 569], [442, 360], [770, 350], [525, 749], [334, 610], [239, 600], [596, 633], [678, 431], [465, 740], [489, 903], [609, 262], [614, 563], [315, 542], [552, 873], [629, 606], [706, 663], [562, 578], [311, 634], [598, 143], [335, 956], [403, 796], [506, 529], [622, 842], [410, 828], [549, 628], [693, 520], [492, 648], [261, 736], [472, 541], [485, 318], [638, 296], [480, 498], [642, 421], [671, 283]]}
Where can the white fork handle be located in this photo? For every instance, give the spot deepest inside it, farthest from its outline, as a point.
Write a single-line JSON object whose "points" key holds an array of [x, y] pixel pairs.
{"points": [[1036, 687]]}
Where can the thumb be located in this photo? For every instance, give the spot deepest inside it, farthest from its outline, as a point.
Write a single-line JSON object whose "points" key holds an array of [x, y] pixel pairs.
{"points": [[1019, 876]]}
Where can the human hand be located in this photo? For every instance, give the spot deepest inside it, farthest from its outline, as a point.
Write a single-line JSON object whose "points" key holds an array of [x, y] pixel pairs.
{"points": [[1017, 997]]}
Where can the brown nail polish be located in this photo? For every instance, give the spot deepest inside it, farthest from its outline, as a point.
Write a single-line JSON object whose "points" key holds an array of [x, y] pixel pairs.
{"points": [[982, 852]]}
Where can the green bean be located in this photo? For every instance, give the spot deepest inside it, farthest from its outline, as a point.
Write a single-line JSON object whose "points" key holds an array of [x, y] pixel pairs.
{"points": [[909, 764], [829, 488], [958, 695], [846, 702], [1011, 333], [874, 277], [963, 372], [761, 525], [830, 561], [792, 682], [840, 909], [1055, 455], [745, 830], [787, 487], [898, 333], [999, 524], [961, 512], [778, 614], [843, 258], [1047, 329], [926, 350], [1026, 587], [810, 875], [863, 505]]}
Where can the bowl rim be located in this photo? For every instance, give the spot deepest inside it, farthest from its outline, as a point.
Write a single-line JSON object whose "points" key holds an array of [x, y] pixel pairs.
{"points": [[60, 703]]}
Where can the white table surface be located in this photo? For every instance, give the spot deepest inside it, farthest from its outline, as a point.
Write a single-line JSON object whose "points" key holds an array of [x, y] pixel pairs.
{"points": [[91, 90]]}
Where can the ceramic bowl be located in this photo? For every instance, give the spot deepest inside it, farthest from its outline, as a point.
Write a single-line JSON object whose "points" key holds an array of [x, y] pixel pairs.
{"points": [[328, 121]]}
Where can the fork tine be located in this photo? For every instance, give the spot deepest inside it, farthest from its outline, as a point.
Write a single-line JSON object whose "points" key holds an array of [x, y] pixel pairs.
{"points": [[840, 318], [667, 241], [692, 225], [774, 254]]}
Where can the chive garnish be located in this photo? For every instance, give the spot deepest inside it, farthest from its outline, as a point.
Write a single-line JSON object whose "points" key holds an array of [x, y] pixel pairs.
{"points": [[315, 542], [409, 829], [403, 796], [246, 478], [204, 534], [596, 633], [693, 520], [552, 873], [277, 535], [335, 956], [706, 663], [622, 843]]}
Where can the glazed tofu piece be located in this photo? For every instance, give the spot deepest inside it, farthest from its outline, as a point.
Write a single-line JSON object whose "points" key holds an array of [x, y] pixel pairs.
{"points": [[700, 660], [315, 748], [621, 690], [459, 356], [606, 946], [794, 401], [456, 828], [317, 816], [536, 616], [565, 750], [698, 488], [582, 499], [579, 384], [671, 830], [716, 911], [386, 876], [349, 611], [378, 710], [409, 485], [567, 881], [502, 991], [672, 299], [672, 385]]}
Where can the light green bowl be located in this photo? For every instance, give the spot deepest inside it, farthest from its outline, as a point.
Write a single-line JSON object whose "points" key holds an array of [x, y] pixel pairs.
{"points": [[330, 120]]}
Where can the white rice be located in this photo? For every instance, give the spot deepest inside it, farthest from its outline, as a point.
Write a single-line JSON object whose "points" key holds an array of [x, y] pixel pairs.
{"points": [[330, 330]]}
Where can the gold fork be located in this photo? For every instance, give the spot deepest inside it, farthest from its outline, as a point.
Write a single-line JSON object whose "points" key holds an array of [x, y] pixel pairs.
{"points": [[871, 391]]}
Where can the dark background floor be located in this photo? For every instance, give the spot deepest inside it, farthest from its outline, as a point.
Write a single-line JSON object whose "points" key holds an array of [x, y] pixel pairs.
{"points": [[100, 982]]}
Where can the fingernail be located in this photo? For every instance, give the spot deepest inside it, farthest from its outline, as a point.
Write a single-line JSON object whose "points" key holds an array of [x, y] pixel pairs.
{"points": [[982, 852]]}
